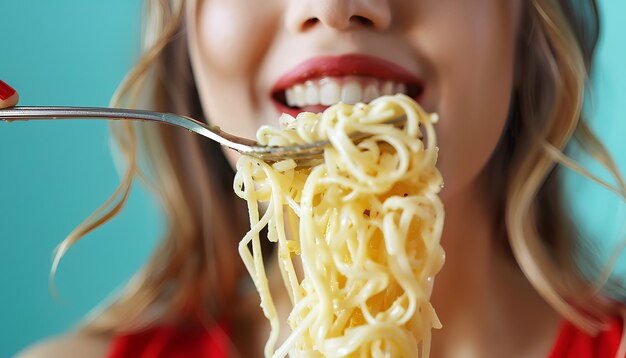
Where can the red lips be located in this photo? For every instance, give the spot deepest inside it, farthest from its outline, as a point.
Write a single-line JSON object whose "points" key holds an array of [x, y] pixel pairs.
{"points": [[339, 66]]}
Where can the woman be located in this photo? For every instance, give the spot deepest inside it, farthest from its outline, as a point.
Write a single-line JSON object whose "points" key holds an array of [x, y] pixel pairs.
{"points": [[506, 79]]}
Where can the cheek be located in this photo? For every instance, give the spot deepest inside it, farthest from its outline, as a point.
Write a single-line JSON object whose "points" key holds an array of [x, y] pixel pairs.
{"points": [[474, 84], [473, 116], [223, 33], [233, 37]]}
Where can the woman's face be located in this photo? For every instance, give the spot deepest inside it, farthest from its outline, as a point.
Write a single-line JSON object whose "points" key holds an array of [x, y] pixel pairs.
{"points": [[253, 60]]}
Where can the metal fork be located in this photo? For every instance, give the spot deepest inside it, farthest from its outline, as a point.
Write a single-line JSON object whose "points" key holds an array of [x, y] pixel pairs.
{"points": [[304, 154]]}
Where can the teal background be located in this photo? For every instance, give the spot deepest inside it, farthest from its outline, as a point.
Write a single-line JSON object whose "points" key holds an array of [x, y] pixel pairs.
{"points": [[52, 175], [600, 215]]}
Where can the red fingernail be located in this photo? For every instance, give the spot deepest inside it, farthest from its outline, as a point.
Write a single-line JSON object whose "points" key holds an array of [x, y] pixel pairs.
{"points": [[6, 91]]}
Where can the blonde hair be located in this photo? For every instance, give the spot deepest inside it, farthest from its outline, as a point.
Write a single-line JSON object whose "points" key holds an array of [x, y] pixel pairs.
{"points": [[188, 278], [550, 100], [193, 273]]}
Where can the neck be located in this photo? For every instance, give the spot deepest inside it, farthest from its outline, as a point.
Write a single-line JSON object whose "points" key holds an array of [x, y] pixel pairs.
{"points": [[487, 307]]}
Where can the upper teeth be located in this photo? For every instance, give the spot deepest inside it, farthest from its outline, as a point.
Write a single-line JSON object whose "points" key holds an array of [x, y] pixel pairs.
{"points": [[350, 90]]}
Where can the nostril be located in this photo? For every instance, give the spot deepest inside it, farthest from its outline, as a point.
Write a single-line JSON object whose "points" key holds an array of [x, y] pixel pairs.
{"points": [[362, 20], [310, 23]]}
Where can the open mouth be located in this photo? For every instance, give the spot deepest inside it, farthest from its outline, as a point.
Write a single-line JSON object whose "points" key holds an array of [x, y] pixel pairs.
{"points": [[321, 82]]}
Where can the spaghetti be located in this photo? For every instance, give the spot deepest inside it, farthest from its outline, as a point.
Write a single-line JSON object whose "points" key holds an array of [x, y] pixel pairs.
{"points": [[362, 249]]}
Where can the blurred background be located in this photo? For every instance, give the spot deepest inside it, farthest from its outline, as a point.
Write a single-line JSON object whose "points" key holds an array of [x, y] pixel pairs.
{"points": [[53, 175]]}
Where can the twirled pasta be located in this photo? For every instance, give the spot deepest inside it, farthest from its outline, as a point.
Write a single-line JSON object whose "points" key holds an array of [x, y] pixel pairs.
{"points": [[365, 225]]}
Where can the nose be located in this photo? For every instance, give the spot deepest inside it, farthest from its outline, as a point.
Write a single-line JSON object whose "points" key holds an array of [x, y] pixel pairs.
{"points": [[303, 15]]}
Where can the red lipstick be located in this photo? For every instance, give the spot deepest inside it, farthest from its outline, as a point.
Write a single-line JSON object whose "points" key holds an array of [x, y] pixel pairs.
{"points": [[355, 65], [341, 66]]}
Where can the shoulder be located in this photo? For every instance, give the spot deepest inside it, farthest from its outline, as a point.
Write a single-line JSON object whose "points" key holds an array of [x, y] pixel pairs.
{"points": [[80, 344]]}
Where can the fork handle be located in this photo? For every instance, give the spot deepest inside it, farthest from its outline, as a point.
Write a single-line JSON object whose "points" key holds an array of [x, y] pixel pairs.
{"points": [[25, 113], [61, 112]]}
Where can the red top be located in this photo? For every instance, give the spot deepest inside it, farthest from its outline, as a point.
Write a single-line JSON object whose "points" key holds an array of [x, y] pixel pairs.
{"points": [[166, 341], [574, 343], [173, 342]]}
